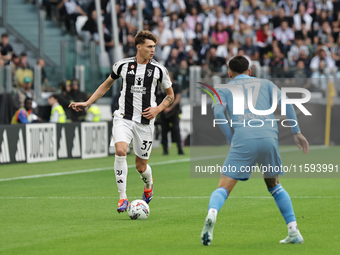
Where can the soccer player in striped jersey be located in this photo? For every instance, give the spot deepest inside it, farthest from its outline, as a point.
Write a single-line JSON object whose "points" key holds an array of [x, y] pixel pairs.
{"points": [[249, 146], [134, 119]]}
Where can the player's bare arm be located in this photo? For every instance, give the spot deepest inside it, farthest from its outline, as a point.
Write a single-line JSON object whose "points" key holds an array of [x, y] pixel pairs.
{"points": [[101, 90], [176, 102], [301, 142], [151, 112]]}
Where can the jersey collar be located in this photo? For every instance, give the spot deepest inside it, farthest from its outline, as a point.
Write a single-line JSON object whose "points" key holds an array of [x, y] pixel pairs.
{"points": [[242, 76]]}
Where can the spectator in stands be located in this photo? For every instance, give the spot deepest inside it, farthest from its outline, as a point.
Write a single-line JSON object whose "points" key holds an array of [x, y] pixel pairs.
{"points": [[193, 18], [65, 98], [303, 56], [219, 36], [177, 6], [70, 9], [336, 26], [278, 64], [165, 40], [185, 34], [257, 19], [192, 58], [284, 35], [268, 8], [249, 6], [324, 5], [295, 50], [57, 112], [123, 30], [24, 114], [78, 96], [198, 35], [26, 91], [131, 20], [319, 79], [324, 35], [322, 56], [239, 37], [174, 21], [202, 49], [281, 16], [156, 17], [218, 16], [129, 48], [263, 41], [302, 15], [250, 49], [23, 70], [6, 49], [289, 6], [319, 20], [215, 63], [310, 6], [336, 52], [90, 28]]}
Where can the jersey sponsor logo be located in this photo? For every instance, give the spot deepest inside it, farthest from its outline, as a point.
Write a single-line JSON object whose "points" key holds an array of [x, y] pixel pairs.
{"points": [[149, 72], [139, 81], [137, 89], [131, 72], [4, 149], [20, 153]]}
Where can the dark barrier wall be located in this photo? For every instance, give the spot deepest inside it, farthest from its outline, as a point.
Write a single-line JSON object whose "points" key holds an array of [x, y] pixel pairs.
{"points": [[12, 144], [312, 127], [48, 142]]}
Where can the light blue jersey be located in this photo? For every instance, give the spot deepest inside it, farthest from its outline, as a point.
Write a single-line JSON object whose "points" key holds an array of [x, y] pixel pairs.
{"points": [[249, 125], [254, 140]]}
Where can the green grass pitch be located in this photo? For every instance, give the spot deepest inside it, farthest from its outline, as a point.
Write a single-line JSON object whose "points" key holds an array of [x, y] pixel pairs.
{"points": [[76, 213]]}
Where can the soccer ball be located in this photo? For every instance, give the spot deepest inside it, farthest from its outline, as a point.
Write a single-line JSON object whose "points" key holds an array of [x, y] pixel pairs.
{"points": [[138, 210]]}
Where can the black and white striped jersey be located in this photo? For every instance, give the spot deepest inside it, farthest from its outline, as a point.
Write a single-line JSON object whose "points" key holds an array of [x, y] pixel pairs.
{"points": [[139, 86]]}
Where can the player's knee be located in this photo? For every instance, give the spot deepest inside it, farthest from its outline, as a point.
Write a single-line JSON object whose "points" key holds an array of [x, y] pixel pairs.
{"points": [[140, 167], [271, 182], [121, 152]]}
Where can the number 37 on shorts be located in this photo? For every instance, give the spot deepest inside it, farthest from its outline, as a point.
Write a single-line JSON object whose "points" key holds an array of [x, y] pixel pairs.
{"points": [[146, 145]]}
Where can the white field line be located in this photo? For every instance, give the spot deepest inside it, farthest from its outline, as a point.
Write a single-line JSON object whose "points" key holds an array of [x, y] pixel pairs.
{"points": [[151, 164], [202, 197]]}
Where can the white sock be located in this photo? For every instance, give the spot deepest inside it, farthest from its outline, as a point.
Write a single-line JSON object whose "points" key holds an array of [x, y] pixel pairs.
{"points": [[213, 211], [147, 177], [292, 226], [121, 171]]}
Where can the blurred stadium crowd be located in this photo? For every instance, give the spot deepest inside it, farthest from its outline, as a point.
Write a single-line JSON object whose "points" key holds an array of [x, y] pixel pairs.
{"points": [[297, 39], [286, 38]]}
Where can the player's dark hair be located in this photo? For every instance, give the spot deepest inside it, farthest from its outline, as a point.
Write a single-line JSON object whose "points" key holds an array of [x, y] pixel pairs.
{"points": [[141, 36], [4, 35], [239, 64]]}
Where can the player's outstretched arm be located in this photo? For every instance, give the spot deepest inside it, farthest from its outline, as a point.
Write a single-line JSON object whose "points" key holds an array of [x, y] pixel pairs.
{"points": [[301, 142], [151, 112], [101, 90]]}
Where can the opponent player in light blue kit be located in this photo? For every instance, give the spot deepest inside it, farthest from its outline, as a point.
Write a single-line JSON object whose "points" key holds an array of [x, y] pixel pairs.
{"points": [[251, 145]]}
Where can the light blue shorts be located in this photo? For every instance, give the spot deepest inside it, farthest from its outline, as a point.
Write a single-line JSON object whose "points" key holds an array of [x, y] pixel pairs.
{"points": [[244, 155]]}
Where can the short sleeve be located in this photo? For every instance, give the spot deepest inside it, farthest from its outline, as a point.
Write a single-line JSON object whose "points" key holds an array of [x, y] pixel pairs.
{"points": [[115, 71], [166, 79]]}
